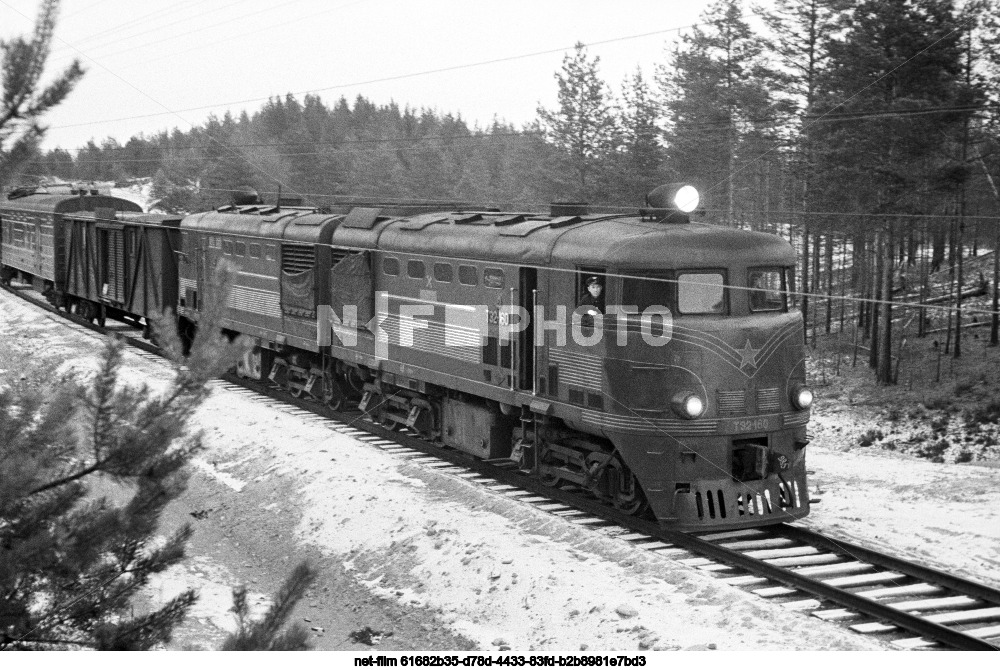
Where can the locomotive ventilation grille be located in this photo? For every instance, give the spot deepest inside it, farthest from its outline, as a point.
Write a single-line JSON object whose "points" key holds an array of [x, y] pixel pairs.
{"points": [[714, 503], [768, 400], [296, 258], [731, 402]]}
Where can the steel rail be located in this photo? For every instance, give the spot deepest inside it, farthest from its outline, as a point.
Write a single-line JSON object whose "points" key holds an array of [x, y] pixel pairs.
{"points": [[900, 618]]}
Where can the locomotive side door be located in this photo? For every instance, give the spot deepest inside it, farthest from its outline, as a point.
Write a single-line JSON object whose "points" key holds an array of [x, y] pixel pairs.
{"points": [[198, 254], [528, 285]]}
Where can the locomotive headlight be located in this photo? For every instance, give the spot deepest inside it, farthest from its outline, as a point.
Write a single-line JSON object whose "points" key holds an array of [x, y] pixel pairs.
{"points": [[686, 199], [802, 397], [688, 405], [677, 197]]}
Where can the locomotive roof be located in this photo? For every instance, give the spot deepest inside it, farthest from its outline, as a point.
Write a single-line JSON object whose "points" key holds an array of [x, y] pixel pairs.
{"points": [[618, 241], [626, 242], [293, 224], [65, 202], [141, 218]]}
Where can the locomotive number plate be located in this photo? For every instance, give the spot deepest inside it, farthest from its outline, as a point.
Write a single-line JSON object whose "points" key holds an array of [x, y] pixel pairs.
{"points": [[757, 424]]}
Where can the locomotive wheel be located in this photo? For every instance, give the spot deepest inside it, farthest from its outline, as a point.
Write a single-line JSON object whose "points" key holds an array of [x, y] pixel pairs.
{"points": [[627, 495], [551, 480], [614, 482], [333, 395]]}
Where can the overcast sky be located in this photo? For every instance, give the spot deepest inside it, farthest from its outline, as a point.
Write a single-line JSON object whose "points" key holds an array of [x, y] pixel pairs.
{"points": [[160, 64]]}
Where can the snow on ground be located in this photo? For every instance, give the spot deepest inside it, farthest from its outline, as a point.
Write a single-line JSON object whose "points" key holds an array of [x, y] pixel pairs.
{"points": [[504, 574]]}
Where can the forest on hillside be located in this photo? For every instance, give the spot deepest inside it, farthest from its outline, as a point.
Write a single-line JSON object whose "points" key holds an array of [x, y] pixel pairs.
{"points": [[865, 131]]}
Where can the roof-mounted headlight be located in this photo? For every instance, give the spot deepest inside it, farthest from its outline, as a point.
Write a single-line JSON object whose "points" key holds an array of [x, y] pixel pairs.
{"points": [[802, 397], [688, 404], [671, 203]]}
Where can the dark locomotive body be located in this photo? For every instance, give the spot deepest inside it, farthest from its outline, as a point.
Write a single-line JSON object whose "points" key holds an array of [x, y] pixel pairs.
{"points": [[466, 327]]}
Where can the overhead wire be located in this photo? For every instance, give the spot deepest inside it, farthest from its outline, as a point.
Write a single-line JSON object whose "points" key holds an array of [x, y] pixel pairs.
{"points": [[116, 31], [228, 23], [113, 36], [242, 35], [422, 73]]}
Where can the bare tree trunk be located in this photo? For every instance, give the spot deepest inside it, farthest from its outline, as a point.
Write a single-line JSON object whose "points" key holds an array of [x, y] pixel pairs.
{"points": [[995, 317], [924, 278], [805, 272], [816, 281], [879, 250], [829, 281], [883, 371], [958, 296]]}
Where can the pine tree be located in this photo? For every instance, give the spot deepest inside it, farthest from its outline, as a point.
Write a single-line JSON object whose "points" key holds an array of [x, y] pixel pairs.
{"points": [[71, 557], [583, 125], [721, 115], [888, 104], [802, 31], [641, 157], [23, 103]]}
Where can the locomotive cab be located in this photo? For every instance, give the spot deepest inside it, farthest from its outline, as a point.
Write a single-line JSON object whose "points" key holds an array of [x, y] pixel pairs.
{"points": [[711, 381], [684, 393]]}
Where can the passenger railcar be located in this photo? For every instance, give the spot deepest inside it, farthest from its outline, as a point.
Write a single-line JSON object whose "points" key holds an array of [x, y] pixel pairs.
{"points": [[34, 234]]}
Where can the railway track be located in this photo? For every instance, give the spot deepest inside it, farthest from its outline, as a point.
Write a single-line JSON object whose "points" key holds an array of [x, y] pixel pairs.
{"points": [[873, 593]]}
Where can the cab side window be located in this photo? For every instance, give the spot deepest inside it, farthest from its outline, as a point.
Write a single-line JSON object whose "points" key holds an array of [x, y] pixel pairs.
{"points": [[767, 290]]}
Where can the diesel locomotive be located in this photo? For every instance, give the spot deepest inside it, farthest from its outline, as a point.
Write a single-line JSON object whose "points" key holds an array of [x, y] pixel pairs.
{"points": [[677, 388]]}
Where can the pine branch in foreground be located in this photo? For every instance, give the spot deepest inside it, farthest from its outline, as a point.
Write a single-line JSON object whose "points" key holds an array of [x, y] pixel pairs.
{"points": [[265, 634], [86, 470]]}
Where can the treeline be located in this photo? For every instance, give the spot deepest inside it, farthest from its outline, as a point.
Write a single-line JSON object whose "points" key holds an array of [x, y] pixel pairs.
{"points": [[838, 107], [865, 126]]}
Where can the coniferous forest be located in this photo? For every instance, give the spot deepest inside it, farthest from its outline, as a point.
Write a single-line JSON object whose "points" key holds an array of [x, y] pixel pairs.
{"points": [[866, 132]]}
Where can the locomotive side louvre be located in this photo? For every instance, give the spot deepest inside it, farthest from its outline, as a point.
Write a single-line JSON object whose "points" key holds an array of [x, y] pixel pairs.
{"points": [[273, 253]]}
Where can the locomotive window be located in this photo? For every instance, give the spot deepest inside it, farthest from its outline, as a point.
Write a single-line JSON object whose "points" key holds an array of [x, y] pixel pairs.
{"points": [[443, 272], [468, 275], [255, 251], [390, 266], [241, 248], [227, 246], [701, 293], [653, 288], [415, 269], [270, 252], [766, 288]]}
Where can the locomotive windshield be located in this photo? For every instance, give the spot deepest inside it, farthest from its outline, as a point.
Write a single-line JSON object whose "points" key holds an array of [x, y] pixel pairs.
{"points": [[697, 292], [768, 290], [654, 288], [701, 293]]}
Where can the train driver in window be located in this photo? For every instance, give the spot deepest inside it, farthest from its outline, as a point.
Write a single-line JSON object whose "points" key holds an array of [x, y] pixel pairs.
{"points": [[593, 296]]}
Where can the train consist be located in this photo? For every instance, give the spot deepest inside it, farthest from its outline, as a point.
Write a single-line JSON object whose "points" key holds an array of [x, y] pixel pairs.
{"points": [[648, 359]]}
